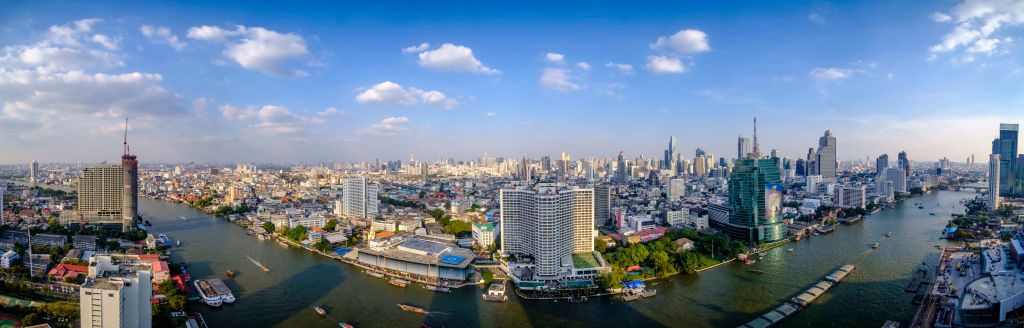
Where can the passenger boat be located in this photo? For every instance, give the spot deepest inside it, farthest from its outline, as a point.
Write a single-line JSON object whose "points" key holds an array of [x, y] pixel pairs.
{"points": [[178, 243], [282, 243], [345, 325], [230, 274], [437, 288], [183, 218], [399, 282], [320, 310], [374, 274], [213, 292], [257, 263], [413, 309], [875, 245]]}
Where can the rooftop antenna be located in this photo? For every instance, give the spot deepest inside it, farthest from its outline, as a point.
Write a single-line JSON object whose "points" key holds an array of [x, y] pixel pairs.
{"points": [[126, 147], [757, 149]]}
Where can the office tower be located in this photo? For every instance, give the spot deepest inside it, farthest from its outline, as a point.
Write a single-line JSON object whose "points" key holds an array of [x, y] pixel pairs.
{"points": [[1006, 147], [101, 195], [812, 167], [994, 165], [676, 189], [545, 163], [851, 196], [904, 163], [898, 178], [620, 169], [700, 166], [826, 159], [742, 147], [801, 167], [670, 154], [130, 165], [755, 202], [425, 171], [525, 172], [699, 152], [33, 172], [547, 223], [756, 152], [563, 164], [881, 163], [117, 292], [602, 204], [359, 198]]}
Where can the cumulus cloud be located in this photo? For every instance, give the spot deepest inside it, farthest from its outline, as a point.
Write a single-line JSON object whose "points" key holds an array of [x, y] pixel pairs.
{"points": [[455, 58], [270, 119], [554, 57], [583, 66], [622, 68], [833, 73], [257, 48], [389, 126], [388, 92], [416, 49], [662, 64], [330, 111], [687, 41], [111, 43], [816, 18], [558, 79], [160, 34], [979, 24]]}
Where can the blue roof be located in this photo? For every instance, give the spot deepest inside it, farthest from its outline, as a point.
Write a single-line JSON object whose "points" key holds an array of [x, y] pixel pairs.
{"points": [[452, 259], [634, 284], [951, 230], [343, 251]]}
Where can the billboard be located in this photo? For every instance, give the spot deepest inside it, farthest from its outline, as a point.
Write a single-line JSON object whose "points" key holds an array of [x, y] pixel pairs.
{"points": [[772, 200]]}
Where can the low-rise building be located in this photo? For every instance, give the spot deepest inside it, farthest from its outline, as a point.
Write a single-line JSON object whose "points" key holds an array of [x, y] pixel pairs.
{"points": [[8, 259], [484, 234], [85, 242]]}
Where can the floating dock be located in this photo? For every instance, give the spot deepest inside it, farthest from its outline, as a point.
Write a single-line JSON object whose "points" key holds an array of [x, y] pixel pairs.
{"points": [[788, 309]]}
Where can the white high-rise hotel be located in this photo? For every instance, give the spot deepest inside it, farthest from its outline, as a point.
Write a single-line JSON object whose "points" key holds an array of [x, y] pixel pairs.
{"points": [[549, 224], [359, 198]]}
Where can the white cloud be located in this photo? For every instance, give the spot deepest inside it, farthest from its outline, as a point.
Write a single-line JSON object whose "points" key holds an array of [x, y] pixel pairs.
{"points": [[554, 57], [234, 113], [160, 34], [833, 73], [69, 34], [257, 48], [940, 17], [490, 114], [330, 111], [558, 79], [622, 68], [111, 43], [457, 58], [978, 23], [688, 41], [416, 49], [389, 126], [662, 64], [583, 66], [388, 92], [816, 18]]}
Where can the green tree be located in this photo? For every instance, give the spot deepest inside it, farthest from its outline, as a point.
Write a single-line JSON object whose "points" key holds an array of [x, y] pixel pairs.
{"points": [[331, 224], [31, 319], [323, 245], [268, 227], [600, 246], [488, 276], [690, 262], [662, 262], [177, 302]]}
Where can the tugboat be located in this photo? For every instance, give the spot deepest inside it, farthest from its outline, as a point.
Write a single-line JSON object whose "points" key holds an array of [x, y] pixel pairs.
{"points": [[320, 310]]}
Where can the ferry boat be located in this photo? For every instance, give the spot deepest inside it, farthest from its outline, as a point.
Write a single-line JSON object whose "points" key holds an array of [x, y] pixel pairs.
{"points": [[437, 288], [213, 292], [413, 309], [399, 282], [496, 293], [320, 310], [230, 274], [257, 263]]}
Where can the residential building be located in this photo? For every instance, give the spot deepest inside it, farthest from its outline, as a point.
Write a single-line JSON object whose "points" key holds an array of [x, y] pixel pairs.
{"points": [[826, 157], [994, 165], [117, 292], [359, 198], [881, 163], [602, 204], [851, 196], [101, 195], [1006, 147], [676, 189], [483, 234], [8, 259]]}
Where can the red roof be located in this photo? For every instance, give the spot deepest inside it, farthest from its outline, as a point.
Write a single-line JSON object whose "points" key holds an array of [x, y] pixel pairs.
{"points": [[65, 270], [160, 266], [149, 257]]}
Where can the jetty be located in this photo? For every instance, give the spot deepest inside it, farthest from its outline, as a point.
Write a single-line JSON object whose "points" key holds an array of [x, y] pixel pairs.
{"points": [[804, 299]]}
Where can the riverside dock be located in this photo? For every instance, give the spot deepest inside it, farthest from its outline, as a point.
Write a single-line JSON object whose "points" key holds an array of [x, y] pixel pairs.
{"points": [[788, 309]]}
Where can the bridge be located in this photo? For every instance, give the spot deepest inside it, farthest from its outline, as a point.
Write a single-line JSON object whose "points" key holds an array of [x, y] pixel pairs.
{"points": [[981, 188]]}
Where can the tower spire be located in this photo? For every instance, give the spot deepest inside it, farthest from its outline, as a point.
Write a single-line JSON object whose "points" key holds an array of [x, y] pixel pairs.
{"points": [[126, 136], [757, 149]]}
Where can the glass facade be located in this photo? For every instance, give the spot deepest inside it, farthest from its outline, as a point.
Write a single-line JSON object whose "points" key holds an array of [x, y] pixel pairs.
{"points": [[1006, 147], [749, 214]]}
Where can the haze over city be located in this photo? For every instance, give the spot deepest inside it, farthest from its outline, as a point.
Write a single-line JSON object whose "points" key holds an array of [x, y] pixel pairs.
{"points": [[234, 81]]}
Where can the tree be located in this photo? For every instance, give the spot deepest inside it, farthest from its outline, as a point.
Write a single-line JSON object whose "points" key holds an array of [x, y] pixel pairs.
{"points": [[690, 262], [323, 245], [31, 319], [600, 246], [488, 276], [662, 262], [268, 227], [62, 309], [331, 224], [298, 233], [177, 302]]}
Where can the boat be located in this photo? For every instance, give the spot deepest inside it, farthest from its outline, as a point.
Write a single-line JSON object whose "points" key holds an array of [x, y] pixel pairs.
{"points": [[148, 224], [888, 234], [282, 243], [413, 309], [213, 292], [345, 325], [177, 243], [749, 262], [789, 250], [496, 292], [230, 274], [755, 271], [399, 282], [257, 263], [183, 218], [261, 236], [438, 288], [320, 310], [875, 245], [374, 274], [931, 213]]}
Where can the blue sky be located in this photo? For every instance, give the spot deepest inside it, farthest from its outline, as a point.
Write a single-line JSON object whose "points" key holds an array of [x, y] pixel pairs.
{"points": [[237, 81]]}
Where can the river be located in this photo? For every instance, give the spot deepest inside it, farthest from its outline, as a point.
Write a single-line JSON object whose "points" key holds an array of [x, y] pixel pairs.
{"points": [[723, 297]]}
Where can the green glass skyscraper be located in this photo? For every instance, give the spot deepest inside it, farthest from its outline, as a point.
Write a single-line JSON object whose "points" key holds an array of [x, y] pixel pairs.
{"points": [[755, 200]]}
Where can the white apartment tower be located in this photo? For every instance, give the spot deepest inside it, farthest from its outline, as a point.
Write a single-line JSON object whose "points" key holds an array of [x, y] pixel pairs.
{"points": [[117, 293], [993, 180], [359, 198], [547, 223], [676, 189]]}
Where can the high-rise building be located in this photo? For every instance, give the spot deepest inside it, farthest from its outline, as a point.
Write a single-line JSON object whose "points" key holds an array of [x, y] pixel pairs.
{"points": [[33, 172], [101, 195], [851, 196], [812, 166], [826, 160], [1006, 147], [881, 163], [670, 154], [130, 165], [755, 202], [602, 204], [994, 165], [549, 224], [620, 169], [359, 198], [898, 178], [904, 163], [699, 152], [676, 189], [742, 147], [3, 190], [117, 292]]}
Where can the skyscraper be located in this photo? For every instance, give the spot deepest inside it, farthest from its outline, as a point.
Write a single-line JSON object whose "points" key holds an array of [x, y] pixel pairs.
{"points": [[904, 163], [742, 147], [826, 157], [33, 172], [994, 164], [547, 223], [101, 195], [755, 197], [3, 190], [670, 154], [359, 198], [812, 166], [620, 169], [881, 163], [130, 164], [602, 204], [1006, 147]]}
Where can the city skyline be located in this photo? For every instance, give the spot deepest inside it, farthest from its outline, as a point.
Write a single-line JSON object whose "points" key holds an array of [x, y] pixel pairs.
{"points": [[236, 83]]}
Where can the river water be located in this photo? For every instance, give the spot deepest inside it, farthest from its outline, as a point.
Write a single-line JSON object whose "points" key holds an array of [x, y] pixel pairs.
{"points": [[722, 297]]}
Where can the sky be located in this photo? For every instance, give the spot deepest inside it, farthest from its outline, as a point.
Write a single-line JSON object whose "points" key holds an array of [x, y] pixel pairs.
{"points": [[226, 82]]}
